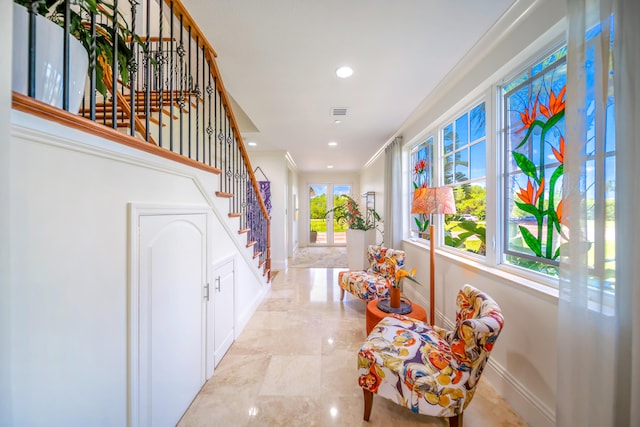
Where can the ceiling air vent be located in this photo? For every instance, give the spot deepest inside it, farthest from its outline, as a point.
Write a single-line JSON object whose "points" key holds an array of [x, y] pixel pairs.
{"points": [[339, 111]]}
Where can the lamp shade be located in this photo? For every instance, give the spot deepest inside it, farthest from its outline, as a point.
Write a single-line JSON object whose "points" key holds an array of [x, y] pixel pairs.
{"points": [[435, 200]]}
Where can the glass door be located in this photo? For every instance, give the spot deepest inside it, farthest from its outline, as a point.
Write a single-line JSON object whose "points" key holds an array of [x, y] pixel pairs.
{"points": [[325, 231]]}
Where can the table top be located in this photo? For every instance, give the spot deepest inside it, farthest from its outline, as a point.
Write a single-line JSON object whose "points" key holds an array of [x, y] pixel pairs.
{"points": [[374, 314]]}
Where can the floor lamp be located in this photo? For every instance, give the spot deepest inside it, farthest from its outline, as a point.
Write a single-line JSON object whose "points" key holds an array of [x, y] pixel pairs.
{"points": [[433, 201]]}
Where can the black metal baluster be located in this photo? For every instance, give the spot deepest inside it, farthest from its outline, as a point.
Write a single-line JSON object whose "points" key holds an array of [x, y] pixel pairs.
{"points": [[228, 148], [204, 109], [181, 99], [133, 68], [243, 206], [65, 56], [190, 92], [196, 93], [172, 76], [236, 176], [92, 69], [114, 62], [223, 126], [147, 92], [33, 11], [209, 128], [160, 65], [215, 123]]}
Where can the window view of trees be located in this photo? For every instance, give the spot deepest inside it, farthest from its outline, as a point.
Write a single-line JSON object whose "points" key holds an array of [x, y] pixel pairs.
{"points": [[318, 208], [465, 169]]}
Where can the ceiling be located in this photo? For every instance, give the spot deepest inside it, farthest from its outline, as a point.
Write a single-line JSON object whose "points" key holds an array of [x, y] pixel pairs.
{"points": [[278, 60]]}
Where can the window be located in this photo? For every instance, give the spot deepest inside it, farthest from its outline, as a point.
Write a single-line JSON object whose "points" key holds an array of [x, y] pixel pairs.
{"points": [[534, 127], [422, 176], [533, 111], [527, 216], [464, 163]]}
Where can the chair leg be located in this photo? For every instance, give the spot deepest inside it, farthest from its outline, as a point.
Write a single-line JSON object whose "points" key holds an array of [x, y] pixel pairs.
{"points": [[368, 403], [341, 294], [455, 421]]}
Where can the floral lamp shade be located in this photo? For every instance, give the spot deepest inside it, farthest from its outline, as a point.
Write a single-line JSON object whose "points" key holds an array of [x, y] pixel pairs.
{"points": [[435, 200]]}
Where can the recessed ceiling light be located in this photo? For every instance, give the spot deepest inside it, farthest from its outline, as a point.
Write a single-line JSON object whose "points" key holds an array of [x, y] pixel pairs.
{"points": [[337, 122], [252, 144], [344, 72], [332, 144], [330, 167]]}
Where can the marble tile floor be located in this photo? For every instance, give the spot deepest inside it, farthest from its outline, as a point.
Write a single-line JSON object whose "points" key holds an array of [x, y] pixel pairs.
{"points": [[295, 365]]}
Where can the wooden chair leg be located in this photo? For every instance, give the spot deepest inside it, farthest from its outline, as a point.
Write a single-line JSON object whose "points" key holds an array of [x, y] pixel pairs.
{"points": [[368, 403], [455, 421], [341, 294]]}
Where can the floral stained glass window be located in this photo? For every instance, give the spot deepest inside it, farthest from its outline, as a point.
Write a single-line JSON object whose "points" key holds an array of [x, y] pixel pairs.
{"points": [[534, 108], [422, 175], [534, 120]]}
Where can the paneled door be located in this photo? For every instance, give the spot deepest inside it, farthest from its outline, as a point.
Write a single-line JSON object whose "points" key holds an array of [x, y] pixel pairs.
{"points": [[171, 317], [222, 293]]}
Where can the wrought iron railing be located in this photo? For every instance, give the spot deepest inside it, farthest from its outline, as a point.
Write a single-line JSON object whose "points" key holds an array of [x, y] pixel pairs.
{"points": [[161, 86]]}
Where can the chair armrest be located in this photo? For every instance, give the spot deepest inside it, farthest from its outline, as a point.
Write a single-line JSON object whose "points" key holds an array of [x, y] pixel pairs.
{"points": [[445, 334]]}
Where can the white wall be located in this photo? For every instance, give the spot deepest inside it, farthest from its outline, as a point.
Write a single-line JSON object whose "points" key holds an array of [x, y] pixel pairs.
{"points": [[274, 166], [372, 179], [523, 363], [69, 277], [6, 14], [306, 179], [294, 212]]}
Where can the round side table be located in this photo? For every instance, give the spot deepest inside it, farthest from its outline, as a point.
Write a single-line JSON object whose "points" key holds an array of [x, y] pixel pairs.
{"points": [[374, 314]]}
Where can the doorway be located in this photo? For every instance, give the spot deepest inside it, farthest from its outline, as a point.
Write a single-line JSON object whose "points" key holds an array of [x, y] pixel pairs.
{"points": [[326, 231]]}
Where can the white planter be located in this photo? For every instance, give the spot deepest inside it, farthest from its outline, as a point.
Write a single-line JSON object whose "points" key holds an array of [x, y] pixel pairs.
{"points": [[357, 243], [49, 60]]}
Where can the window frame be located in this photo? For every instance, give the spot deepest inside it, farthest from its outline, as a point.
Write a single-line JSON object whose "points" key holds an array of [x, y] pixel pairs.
{"points": [[463, 108], [505, 174]]}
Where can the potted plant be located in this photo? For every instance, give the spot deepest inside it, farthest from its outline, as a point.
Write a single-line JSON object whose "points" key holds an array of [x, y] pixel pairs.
{"points": [[79, 28], [313, 233], [361, 230]]}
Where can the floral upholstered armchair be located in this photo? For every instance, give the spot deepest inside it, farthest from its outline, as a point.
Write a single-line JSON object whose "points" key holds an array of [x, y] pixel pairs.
{"points": [[428, 370], [374, 282]]}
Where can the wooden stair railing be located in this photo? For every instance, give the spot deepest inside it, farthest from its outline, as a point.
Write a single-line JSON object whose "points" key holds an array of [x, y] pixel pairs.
{"points": [[237, 180]]}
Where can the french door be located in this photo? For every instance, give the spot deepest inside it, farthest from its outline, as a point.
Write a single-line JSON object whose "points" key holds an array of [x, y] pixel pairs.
{"points": [[323, 230]]}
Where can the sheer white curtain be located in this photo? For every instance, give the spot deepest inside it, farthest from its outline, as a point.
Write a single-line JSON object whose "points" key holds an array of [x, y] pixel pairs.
{"points": [[598, 326], [627, 92], [393, 194]]}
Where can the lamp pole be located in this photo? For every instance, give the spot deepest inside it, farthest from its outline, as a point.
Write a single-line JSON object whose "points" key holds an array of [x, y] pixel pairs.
{"points": [[432, 253]]}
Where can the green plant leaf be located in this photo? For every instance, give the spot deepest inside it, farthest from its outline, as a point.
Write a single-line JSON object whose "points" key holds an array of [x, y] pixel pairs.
{"points": [[533, 210], [531, 241], [526, 165], [528, 134], [553, 120], [556, 175]]}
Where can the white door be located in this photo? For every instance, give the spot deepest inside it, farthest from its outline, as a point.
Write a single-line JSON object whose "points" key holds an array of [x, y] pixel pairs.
{"points": [[222, 293], [172, 315]]}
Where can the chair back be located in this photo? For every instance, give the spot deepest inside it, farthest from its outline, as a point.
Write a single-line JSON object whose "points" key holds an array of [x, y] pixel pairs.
{"points": [[479, 321], [384, 261]]}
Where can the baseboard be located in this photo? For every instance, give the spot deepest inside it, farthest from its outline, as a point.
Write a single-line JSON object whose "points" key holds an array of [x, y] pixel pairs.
{"points": [[278, 264], [244, 318], [525, 403], [520, 398]]}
